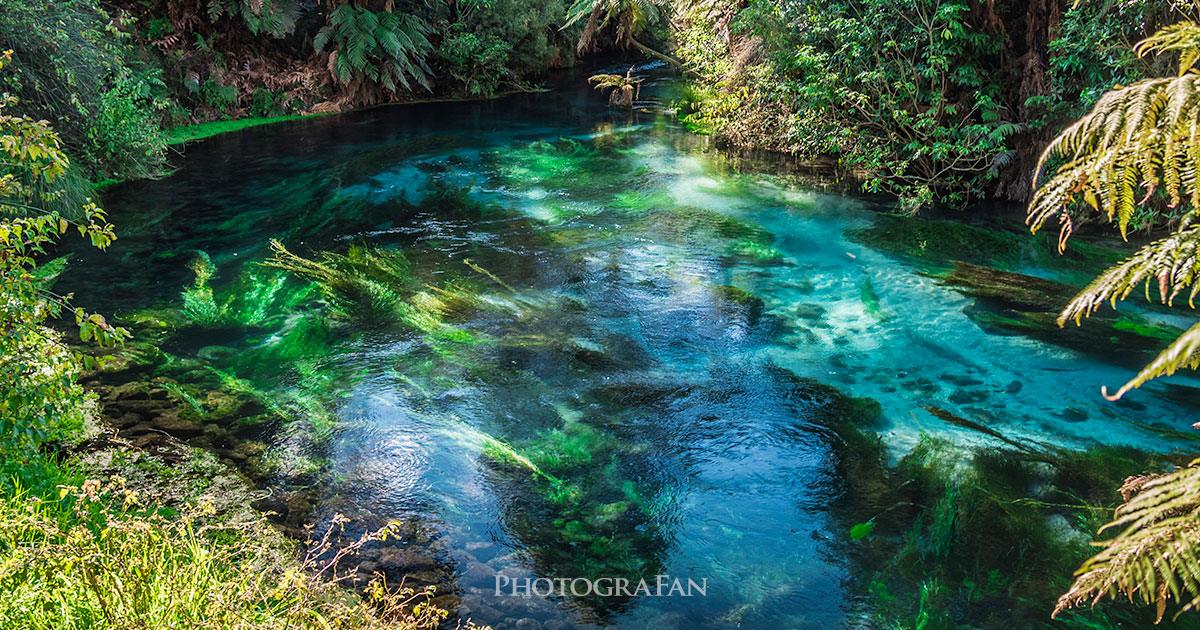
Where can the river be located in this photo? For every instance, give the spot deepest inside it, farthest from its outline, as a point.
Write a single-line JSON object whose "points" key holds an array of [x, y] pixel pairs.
{"points": [[592, 348]]}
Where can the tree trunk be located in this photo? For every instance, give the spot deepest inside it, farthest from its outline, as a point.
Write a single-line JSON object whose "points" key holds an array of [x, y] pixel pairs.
{"points": [[589, 30], [662, 57], [621, 98]]}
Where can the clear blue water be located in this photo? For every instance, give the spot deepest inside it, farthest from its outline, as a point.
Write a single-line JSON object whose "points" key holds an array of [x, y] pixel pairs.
{"points": [[603, 335]]}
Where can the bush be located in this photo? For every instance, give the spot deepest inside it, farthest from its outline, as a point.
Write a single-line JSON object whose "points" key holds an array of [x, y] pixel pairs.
{"points": [[38, 390], [73, 67], [86, 554], [502, 40], [933, 101], [478, 63]]}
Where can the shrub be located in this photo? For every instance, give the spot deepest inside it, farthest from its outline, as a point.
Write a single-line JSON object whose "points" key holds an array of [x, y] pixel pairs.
{"points": [[38, 390], [91, 556], [73, 67], [478, 63]]}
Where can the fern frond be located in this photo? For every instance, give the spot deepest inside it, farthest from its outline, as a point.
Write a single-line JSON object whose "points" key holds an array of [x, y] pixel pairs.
{"points": [[276, 18], [1139, 135], [1143, 135], [1155, 558], [578, 10], [1184, 37], [1183, 352], [384, 48], [1171, 265]]}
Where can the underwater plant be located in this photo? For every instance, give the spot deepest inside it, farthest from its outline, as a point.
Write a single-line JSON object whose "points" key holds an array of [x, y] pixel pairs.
{"points": [[362, 284]]}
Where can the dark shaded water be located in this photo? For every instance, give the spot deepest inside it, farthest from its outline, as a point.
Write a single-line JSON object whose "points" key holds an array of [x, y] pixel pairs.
{"points": [[599, 354]]}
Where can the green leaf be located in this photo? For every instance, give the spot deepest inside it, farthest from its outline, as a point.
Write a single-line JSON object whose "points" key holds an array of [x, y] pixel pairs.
{"points": [[862, 530]]}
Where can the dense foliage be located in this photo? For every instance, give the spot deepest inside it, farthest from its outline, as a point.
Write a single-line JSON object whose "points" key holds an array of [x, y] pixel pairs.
{"points": [[73, 65], [237, 58], [38, 389], [935, 101]]}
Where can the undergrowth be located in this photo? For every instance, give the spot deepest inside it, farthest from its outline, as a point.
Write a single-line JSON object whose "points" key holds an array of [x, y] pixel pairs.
{"points": [[80, 552]]}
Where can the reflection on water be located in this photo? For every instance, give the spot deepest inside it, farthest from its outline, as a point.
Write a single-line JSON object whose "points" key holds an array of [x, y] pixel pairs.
{"points": [[569, 343]]}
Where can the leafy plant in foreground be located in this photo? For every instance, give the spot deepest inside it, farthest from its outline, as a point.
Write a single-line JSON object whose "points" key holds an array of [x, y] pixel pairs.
{"points": [[95, 557], [1145, 135], [37, 371]]}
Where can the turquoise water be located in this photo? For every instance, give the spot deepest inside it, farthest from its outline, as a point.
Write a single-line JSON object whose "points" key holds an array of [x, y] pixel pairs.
{"points": [[602, 352]]}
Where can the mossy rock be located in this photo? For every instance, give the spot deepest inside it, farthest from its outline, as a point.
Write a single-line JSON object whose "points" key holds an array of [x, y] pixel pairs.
{"points": [[1095, 337], [152, 323], [758, 253], [752, 304], [1009, 289], [1014, 303], [936, 243]]}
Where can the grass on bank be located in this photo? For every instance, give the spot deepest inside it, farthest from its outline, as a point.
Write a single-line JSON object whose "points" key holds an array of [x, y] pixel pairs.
{"points": [[80, 552], [189, 133]]}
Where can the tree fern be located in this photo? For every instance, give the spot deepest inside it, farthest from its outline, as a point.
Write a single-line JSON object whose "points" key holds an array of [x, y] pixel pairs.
{"points": [[387, 48], [1169, 266], [627, 17], [271, 17], [1140, 136], [1138, 140]]}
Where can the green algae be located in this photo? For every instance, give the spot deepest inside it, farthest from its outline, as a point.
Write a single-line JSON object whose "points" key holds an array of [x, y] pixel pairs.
{"points": [[499, 451], [595, 521], [870, 301], [375, 287], [975, 534], [198, 304], [256, 298], [1142, 328], [995, 528], [595, 169], [739, 296], [933, 245], [641, 202], [755, 251]]}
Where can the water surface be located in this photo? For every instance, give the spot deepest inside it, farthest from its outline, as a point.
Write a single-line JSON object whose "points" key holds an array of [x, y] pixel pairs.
{"points": [[615, 372]]}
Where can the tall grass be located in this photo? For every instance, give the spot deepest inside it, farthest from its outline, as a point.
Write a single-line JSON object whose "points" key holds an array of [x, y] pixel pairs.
{"points": [[91, 556]]}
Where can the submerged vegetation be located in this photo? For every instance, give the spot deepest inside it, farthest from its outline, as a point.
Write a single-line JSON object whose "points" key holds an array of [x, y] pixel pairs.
{"points": [[585, 350]]}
